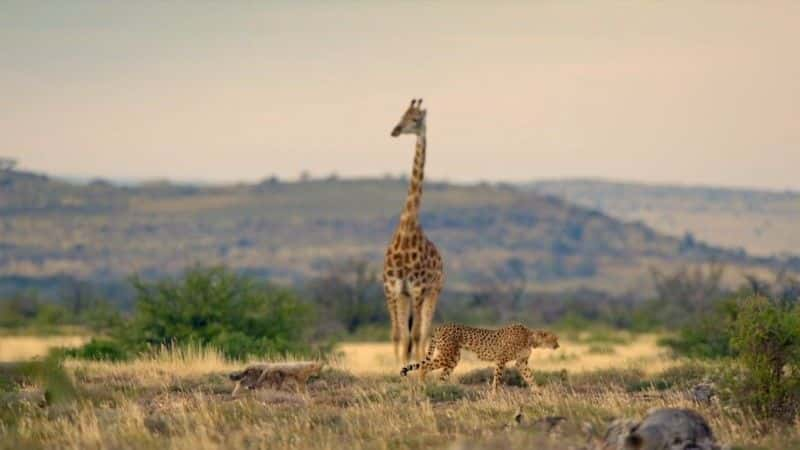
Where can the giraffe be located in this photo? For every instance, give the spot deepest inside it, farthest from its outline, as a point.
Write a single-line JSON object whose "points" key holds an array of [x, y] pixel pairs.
{"points": [[413, 272]]}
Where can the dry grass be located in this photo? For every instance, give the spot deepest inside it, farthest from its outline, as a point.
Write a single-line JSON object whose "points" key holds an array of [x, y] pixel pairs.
{"points": [[181, 399], [17, 348], [642, 351]]}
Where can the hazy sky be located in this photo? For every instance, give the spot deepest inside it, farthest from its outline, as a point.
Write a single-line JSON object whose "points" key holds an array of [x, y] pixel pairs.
{"points": [[699, 92]]}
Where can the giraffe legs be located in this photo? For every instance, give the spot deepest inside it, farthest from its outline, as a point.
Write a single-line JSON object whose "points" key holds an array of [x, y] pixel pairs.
{"points": [[403, 314], [391, 304], [427, 311], [416, 329]]}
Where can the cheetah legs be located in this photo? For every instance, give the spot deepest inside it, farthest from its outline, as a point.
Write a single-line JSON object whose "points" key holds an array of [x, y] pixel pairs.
{"points": [[498, 374], [522, 366], [448, 369], [446, 359]]}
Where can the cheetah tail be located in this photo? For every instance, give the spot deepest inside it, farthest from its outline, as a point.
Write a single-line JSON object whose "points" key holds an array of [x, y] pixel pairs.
{"points": [[404, 371], [415, 366]]}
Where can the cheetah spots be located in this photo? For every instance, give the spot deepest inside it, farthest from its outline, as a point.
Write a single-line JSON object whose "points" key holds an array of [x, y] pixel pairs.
{"points": [[510, 343]]}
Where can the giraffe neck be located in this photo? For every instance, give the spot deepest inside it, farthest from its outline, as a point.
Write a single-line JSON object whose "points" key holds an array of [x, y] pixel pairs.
{"points": [[409, 219]]}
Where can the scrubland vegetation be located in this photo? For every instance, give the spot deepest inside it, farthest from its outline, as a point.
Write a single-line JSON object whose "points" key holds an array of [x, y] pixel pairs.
{"points": [[180, 398], [157, 377]]}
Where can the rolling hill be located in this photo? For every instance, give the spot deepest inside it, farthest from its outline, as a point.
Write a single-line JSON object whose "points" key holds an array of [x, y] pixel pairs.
{"points": [[289, 231], [760, 222]]}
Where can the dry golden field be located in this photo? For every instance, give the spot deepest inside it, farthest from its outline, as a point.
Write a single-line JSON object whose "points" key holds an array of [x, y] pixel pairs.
{"points": [[16, 348], [181, 399], [641, 352]]}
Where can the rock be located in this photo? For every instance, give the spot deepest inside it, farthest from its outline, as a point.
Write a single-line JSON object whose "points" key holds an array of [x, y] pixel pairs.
{"points": [[669, 429], [703, 392], [616, 433]]}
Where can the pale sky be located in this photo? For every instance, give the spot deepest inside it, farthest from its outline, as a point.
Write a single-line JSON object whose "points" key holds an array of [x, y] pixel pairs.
{"points": [[697, 92]]}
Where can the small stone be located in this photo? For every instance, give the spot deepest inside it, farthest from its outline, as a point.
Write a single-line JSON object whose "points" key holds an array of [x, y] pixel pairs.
{"points": [[703, 392]]}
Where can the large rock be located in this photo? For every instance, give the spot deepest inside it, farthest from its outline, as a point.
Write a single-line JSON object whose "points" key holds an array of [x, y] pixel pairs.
{"points": [[669, 429]]}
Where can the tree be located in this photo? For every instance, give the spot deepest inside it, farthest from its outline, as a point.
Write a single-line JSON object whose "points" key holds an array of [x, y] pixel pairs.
{"points": [[503, 287], [7, 164], [784, 286], [691, 288], [350, 293]]}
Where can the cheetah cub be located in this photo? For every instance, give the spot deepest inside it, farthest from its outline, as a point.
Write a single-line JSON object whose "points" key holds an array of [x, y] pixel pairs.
{"points": [[510, 343]]}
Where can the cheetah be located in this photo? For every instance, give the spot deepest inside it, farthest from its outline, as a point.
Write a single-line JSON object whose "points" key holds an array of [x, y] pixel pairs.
{"points": [[510, 343]]}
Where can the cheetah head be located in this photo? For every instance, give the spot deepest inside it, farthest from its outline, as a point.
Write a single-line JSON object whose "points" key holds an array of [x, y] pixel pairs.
{"points": [[543, 339]]}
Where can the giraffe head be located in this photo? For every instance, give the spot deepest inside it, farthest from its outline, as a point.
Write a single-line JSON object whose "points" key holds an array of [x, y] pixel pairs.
{"points": [[413, 120]]}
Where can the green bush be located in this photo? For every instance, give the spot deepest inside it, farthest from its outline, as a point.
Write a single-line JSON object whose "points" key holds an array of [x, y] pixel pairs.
{"points": [[708, 336], [767, 336], [99, 350], [214, 306]]}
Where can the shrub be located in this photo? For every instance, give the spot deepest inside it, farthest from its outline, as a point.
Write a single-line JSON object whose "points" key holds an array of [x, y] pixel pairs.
{"points": [[99, 350], [213, 306], [708, 336], [686, 375], [767, 337]]}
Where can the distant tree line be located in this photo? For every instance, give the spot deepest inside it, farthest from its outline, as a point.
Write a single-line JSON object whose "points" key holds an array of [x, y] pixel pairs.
{"points": [[242, 315], [7, 164]]}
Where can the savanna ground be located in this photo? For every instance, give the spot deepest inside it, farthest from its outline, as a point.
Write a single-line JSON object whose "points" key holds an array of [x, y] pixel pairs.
{"points": [[181, 399]]}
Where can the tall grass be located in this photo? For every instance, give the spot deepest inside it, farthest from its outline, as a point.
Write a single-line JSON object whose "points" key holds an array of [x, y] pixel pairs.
{"points": [[180, 398]]}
